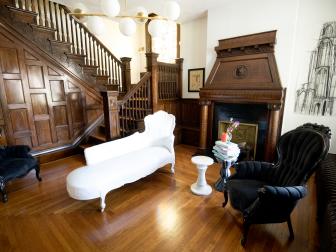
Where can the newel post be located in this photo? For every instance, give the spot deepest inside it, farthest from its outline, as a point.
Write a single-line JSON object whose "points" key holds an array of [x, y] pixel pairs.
{"points": [[152, 66], [204, 125], [180, 77], [111, 114], [126, 73]]}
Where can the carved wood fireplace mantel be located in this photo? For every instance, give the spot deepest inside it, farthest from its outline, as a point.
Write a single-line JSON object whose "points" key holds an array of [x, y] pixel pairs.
{"points": [[245, 72]]}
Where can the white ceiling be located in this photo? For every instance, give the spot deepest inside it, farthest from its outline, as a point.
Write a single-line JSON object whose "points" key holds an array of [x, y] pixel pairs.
{"points": [[190, 9]]}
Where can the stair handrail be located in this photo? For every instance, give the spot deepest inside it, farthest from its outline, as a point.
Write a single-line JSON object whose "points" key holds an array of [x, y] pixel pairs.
{"points": [[136, 87], [135, 105], [68, 11]]}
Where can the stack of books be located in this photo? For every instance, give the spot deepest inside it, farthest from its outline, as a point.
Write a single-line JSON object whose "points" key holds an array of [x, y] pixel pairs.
{"points": [[226, 150]]}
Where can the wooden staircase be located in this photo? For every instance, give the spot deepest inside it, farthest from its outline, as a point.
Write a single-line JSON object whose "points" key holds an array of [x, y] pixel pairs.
{"points": [[50, 28]]}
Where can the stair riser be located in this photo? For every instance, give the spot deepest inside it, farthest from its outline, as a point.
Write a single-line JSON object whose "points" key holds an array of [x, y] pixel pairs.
{"points": [[23, 16], [79, 61], [44, 34], [7, 2], [60, 48]]}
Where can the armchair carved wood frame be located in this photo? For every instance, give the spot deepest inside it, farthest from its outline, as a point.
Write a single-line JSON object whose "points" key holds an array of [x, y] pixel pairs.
{"points": [[15, 162], [267, 193]]}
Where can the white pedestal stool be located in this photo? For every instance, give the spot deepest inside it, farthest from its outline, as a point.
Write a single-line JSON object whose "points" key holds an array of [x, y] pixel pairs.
{"points": [[201, 187]]}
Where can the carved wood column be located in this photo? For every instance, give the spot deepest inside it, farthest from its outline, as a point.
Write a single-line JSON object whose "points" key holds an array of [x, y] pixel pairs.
{"points": [[204, 125], [180, 78], [152, 66], [126, 73], [272, 131], [111, 114]]}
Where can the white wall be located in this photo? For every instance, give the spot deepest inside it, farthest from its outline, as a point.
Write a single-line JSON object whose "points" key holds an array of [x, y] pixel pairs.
{"points": [[193, 46], [122, 46], [298, 24], [311, 16], [243, 17]]}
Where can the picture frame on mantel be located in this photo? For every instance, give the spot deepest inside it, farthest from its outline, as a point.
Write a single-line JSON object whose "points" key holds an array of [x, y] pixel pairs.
{"points": [[195, 79]]}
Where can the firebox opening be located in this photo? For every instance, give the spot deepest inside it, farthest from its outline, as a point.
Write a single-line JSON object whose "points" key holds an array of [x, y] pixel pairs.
{"points": [[253, 119]]}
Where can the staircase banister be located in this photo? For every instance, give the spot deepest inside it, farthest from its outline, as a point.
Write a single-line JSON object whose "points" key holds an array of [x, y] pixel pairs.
{"points": [[129, 94], [67, 10], [173, 65]]}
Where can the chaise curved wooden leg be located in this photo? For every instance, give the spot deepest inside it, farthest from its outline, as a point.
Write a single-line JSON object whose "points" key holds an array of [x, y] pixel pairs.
{"points": [[172, 168], [102, 203], [3, 190], [37, 169]]}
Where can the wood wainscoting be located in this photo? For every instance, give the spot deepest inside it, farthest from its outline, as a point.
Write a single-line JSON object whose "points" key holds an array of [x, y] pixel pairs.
{"points": [[43, 106], [190, 121]]}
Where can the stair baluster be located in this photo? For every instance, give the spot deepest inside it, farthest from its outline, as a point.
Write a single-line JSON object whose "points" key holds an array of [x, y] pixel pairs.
{"points": [[46, 19]]}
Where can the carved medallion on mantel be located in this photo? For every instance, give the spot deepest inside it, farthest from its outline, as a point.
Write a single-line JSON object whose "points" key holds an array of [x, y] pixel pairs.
{"points": [[245, 72]]}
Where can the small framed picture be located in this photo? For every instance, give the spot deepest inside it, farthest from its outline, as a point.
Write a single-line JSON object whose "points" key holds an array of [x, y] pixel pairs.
{"points": [[195, 79]]}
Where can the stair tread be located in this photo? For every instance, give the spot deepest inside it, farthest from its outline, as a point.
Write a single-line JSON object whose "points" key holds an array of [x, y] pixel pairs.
{"points": [[99, 136], [75, 55], [12, 8], [42, 27], [54, 41], [84, 146], [89, 66]]}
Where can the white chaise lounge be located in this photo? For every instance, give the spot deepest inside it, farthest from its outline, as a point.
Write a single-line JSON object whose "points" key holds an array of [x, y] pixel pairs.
{"points": [[111, 165]]}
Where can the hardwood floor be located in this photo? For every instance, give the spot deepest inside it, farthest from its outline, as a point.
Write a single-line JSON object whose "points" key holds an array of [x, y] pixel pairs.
{"points": [[157, 213]]}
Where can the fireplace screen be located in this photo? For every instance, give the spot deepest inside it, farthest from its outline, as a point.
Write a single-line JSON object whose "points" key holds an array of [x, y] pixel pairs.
{"points": [[245, 136]]}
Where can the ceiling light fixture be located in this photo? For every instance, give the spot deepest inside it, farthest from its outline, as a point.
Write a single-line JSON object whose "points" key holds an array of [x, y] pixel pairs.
{"points": [[127, 24]]}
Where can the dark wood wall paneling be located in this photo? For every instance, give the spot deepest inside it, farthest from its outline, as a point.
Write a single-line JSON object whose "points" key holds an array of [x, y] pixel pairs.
{"points": [[190, 121], [42, 106]]}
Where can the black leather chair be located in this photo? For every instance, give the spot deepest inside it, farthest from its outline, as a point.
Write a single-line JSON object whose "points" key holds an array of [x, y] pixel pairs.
{"points": [[15, 162], [267, 193]]}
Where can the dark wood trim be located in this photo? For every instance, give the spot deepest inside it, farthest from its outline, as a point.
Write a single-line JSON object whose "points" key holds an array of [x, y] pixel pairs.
{"points": [[75, 143], [245, 72]]}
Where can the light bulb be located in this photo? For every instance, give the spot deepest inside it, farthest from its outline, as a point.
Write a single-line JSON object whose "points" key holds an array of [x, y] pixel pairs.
{"points": [[127, 26], [110, 8], [172, 10]]}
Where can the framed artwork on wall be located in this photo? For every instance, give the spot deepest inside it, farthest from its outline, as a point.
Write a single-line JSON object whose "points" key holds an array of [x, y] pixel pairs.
{"points": [[195, 79]]}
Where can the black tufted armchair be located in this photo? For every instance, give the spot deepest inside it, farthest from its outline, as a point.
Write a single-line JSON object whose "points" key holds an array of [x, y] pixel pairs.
{"points": [[15, 162], [267, 193]]}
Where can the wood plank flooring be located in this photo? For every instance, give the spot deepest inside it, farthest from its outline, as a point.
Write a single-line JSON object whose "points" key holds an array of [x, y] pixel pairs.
{"points": [[157, 213]]}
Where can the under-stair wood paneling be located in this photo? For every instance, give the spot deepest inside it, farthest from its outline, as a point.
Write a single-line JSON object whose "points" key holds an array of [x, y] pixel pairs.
{"points": [[190, 121], [42, 106]]}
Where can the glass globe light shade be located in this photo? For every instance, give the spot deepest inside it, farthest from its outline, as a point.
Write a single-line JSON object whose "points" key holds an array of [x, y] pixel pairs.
{"points": [[96, 25], [110, 8], [79, 7], [127, 26], [156, 28], [172, 10], [142, 12]]}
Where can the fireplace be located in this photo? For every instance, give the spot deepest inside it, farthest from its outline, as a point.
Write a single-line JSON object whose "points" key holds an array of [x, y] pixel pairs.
{"points": [[244, 84]]}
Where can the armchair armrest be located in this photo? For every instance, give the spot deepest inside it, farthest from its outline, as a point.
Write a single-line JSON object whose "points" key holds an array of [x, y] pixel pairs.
{"points": [[292, 193], [19, 151], [274, 204], [253, 170]]}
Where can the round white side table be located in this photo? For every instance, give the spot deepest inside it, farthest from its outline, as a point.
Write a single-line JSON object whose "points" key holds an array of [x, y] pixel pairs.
{"points": [[201, 187]]}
